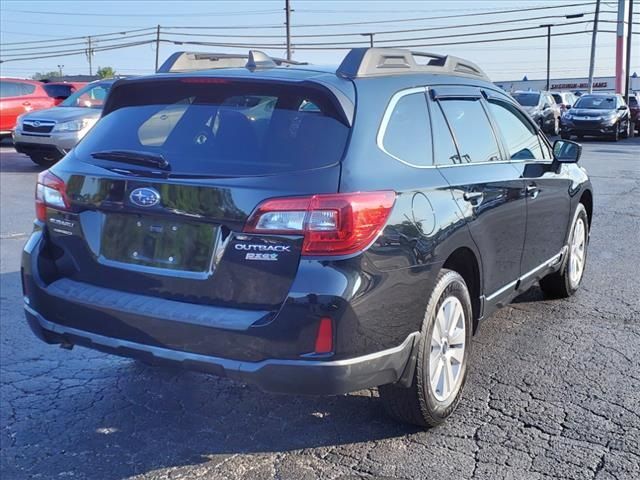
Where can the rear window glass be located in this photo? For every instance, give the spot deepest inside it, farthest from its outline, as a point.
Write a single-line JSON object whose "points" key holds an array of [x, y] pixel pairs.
{"points": [[527, 99], [58, 91], [219, 127], [407, 136], [633, 101]]}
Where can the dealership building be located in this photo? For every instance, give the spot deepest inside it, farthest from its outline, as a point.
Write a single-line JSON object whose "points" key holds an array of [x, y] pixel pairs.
{"points": [[600, 84]]}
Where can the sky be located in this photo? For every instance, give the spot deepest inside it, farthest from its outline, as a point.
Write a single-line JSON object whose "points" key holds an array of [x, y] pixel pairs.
{"points": [[261, 23]]}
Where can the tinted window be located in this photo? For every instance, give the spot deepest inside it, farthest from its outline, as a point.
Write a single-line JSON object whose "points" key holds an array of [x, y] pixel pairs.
{"points": [[58, 91], [633, 102], [557, 97], [520, 137], [473, 132], [27, 89], [10, 89], [444, 148], [597, 102], [222, 128], [527, 99], [91, 96], [407, 135]]}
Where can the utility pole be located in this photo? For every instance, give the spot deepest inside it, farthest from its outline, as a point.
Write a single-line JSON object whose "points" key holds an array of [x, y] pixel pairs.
{"points": [[548, 27], [592, 61], [157, 46], [370, 35], [628, 69], [90, 55], [287, 9], [622, 77]]}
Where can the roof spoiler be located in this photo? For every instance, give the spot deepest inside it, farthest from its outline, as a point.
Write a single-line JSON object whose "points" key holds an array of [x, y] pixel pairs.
{"points": [[373, 62], [193, 61]]}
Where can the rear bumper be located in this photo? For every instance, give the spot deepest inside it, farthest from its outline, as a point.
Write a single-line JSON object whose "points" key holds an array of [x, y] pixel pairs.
{"points": [[314, 377]]}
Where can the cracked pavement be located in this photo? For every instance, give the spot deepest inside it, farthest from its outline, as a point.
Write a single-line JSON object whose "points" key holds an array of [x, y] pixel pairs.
{"points": [[553, 391]]}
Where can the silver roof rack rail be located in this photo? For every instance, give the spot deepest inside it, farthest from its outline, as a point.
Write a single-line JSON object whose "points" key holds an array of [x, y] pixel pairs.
{"points": [[373, 62], [193, 61]]}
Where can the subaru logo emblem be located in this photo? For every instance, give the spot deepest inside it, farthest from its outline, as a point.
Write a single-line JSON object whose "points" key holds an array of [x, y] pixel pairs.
{"points": [[36, 123], [144, 197]]}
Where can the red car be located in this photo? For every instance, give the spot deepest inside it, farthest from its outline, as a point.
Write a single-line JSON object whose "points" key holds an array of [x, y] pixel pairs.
{"points": [[634, 110], [18, 96]]}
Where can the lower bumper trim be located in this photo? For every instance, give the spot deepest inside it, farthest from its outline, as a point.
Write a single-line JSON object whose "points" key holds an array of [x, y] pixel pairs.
{"points": [[314, 377]]}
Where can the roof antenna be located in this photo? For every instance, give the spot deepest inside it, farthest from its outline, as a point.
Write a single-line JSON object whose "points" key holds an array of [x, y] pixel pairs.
{"points": [[259, 60]]}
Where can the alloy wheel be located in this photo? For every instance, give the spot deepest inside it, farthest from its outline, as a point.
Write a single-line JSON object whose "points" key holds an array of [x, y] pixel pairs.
{"points": [[447, 350], [577, 252]]}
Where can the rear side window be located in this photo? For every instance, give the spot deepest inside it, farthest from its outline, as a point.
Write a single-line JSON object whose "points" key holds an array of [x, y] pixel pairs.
{"points": [[9, 89], [520, 137], [407, 136], [27, 89], [444, 148], [223, 127], [58, 91], [473, 132]]}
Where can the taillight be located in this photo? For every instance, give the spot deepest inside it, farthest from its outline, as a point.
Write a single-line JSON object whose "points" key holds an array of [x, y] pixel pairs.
{"points": [[332, 224], [50, 192]]}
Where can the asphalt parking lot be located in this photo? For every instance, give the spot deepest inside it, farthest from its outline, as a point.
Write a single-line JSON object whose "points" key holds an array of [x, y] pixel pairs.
{"points": [[554, 389]]}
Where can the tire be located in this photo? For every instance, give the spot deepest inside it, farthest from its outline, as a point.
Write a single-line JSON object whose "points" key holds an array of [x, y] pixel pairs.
{"points": [[565, 282], [42, 160], [424, 403], [627, 131], [616, 134], [565, 136], [580, 137]]}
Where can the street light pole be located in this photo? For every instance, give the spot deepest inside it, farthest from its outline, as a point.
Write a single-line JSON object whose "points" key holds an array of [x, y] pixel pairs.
{"points": [[628, 61], [60, 67], [548, 27]]}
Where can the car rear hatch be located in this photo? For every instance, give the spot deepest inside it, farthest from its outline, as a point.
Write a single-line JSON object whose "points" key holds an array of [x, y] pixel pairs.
{"points": [[155, 199]]}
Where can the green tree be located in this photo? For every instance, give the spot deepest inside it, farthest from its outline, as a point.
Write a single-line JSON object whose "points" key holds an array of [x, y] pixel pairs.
{"points": [[106, 72], [45, 75]]}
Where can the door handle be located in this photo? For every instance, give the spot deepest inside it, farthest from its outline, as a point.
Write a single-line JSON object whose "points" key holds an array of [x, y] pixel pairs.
{"points": [[473, 196], [26, 104], [532, 190]]}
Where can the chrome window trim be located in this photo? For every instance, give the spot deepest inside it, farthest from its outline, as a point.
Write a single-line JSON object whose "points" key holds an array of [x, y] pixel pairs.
{"points": [[387, 116]]}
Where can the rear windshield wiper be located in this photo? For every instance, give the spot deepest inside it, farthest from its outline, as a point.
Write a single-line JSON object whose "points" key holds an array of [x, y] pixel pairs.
{"points": [[134, 157]]}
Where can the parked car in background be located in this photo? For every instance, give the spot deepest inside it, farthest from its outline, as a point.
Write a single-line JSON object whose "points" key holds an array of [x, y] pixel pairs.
{"points": [[634, 109], [18, 96], [47, 135], [564, 100], [60, 91], [542, 108], [598, 114], [228, 221]]}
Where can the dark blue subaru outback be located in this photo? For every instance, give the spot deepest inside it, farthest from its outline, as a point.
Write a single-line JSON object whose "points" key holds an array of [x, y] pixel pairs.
{"points": [[307, 230]]}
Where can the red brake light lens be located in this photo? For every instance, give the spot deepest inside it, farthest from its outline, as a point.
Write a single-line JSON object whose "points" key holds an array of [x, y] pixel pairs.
{"points": [[50, 191], [332, 224]]}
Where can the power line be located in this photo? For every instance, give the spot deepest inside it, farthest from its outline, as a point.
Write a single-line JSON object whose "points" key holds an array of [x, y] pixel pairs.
{"points": [[81, 37], [146, 15], [2, 50]]}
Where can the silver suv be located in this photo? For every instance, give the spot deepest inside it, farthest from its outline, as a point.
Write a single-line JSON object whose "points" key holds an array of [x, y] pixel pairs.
{"points": [[48, 135]]}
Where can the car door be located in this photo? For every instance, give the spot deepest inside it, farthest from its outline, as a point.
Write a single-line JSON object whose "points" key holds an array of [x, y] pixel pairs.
{"points": [[487, 189], [10, 104], [546, 185]]}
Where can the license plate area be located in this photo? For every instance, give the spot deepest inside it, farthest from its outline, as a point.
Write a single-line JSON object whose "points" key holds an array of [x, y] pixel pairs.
{"points": [[157, 242]]}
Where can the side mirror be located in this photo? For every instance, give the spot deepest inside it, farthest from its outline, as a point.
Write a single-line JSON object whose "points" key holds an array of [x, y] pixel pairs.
{"points": [[622, 107], [566, 151]]}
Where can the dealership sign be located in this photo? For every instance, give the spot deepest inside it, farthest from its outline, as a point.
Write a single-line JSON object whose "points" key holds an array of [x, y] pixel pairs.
{"points": [[564, 86]]}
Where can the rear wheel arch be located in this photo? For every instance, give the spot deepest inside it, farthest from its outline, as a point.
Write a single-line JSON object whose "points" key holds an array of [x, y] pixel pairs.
{"points": [[465, 262], [587, 200]]}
